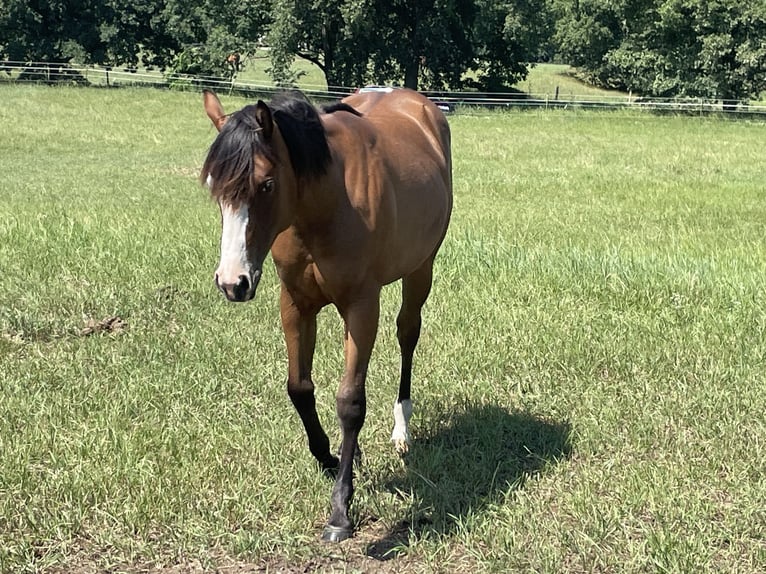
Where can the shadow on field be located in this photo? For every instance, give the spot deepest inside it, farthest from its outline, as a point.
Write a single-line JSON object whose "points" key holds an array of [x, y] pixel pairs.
{"points": [[474, 458]]}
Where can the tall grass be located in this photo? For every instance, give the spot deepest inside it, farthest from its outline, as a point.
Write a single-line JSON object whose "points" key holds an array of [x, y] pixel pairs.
{"points": [[589, 389]]}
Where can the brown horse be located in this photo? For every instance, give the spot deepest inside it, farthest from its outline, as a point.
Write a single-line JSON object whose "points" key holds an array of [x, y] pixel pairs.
{"points": [[347, 198]]}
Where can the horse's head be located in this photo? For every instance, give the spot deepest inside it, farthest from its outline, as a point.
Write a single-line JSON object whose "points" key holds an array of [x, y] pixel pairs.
{"points": [[249, 173]]}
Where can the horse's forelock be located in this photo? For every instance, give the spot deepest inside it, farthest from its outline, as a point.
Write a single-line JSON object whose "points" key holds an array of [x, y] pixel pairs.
{"points": [[230, 160], [231, 157]]}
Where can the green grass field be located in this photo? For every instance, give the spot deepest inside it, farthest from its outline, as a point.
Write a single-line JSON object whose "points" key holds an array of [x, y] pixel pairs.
{"points": [[589, 387]]}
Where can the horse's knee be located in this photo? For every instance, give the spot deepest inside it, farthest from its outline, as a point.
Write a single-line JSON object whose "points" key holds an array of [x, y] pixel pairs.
{"points": [[351, 409]]}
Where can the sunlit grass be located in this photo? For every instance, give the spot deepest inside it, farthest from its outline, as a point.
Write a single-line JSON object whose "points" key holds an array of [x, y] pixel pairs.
{"points": [[255, 66], [589, 384], [559, 80]]}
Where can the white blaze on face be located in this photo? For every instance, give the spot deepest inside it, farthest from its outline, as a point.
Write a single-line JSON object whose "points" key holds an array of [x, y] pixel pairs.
{"points": [[234, 261]]}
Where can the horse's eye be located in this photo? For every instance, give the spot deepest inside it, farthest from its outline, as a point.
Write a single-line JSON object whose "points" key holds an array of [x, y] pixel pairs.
{"points": [[267, 186]]}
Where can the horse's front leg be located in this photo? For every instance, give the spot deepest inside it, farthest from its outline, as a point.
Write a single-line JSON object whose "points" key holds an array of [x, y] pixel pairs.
{"points": [[361, 318], [300, 328]]}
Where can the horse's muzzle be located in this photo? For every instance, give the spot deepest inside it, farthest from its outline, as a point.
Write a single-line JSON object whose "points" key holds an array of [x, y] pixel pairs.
{"points": [[241, 291]]}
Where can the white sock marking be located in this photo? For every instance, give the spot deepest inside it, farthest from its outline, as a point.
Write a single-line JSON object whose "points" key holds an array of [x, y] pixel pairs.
{"points": [[402, 413]]}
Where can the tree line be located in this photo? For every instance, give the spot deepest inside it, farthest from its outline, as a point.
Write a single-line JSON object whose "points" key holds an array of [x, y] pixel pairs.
{"points": [[657, 48]]}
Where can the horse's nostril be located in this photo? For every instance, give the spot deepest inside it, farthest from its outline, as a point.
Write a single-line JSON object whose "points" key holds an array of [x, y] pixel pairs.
{"points": [[242, 287]]}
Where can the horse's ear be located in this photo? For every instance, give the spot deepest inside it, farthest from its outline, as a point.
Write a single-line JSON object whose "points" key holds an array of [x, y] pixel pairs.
{"points": [[264, 119], [214, 109]]}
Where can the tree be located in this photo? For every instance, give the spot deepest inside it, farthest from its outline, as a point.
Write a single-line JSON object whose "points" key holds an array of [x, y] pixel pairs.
{"points": [[418, 43], [52, 31], [134, 31], [506, 37], [196, 36], [201, 35], [310, 29], [668, 48], [707, 48]]}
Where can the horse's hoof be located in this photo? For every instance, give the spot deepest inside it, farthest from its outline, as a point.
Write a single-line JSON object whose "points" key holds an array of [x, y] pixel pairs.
{"points": [[330, 466], [336, 533], [402, 446]]}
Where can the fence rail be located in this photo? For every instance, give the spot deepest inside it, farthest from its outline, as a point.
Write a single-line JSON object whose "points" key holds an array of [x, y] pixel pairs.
{"points": [[53, 73]]}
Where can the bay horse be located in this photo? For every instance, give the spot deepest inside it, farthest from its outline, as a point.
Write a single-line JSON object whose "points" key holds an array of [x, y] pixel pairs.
{"points": [[347, 198]]}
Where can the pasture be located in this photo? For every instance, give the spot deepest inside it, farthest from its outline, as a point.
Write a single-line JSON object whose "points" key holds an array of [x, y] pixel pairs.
{"points": [[589, 385]]}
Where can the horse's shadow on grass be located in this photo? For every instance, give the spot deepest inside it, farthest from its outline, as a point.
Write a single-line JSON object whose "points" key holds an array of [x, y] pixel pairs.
{"points": [[472, 458]]}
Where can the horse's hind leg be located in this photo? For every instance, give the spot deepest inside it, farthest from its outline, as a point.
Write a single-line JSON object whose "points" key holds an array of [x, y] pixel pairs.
{"points": [[415, 290]]}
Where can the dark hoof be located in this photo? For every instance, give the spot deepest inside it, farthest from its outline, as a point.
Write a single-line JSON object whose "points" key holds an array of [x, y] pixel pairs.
{"points": [[336, 533], [330, 466]]}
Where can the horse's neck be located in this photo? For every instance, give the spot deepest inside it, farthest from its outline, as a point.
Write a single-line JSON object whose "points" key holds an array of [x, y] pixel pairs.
{"points": [[319, 202]]}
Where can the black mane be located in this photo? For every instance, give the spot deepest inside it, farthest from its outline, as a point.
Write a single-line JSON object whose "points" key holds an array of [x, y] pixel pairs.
{"points": [[340, 107], [304, 135], [230, 158]]}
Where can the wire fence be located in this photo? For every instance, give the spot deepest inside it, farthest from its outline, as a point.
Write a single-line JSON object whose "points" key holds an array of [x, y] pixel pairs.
{"points": [[72, 74]]}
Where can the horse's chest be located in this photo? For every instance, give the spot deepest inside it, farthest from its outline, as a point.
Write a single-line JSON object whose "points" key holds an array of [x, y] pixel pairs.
{"points": [[321, 280]]}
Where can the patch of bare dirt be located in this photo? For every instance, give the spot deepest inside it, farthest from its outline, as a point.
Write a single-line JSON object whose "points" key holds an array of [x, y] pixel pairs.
{"points": [[112, 324], [374, 550]]}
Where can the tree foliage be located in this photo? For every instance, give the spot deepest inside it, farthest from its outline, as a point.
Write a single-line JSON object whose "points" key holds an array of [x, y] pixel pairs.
{"points": [[42, 30], [432, 44], [666, 48], [694, 48], [186, 36], [310, 29]]}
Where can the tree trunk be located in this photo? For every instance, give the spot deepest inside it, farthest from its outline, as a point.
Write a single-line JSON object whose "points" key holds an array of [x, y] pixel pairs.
{"points": [[328, 51], [411, 74]]}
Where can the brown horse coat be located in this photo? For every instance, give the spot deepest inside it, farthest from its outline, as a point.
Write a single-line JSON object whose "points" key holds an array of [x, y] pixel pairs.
{"points": [[347, 200]]}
